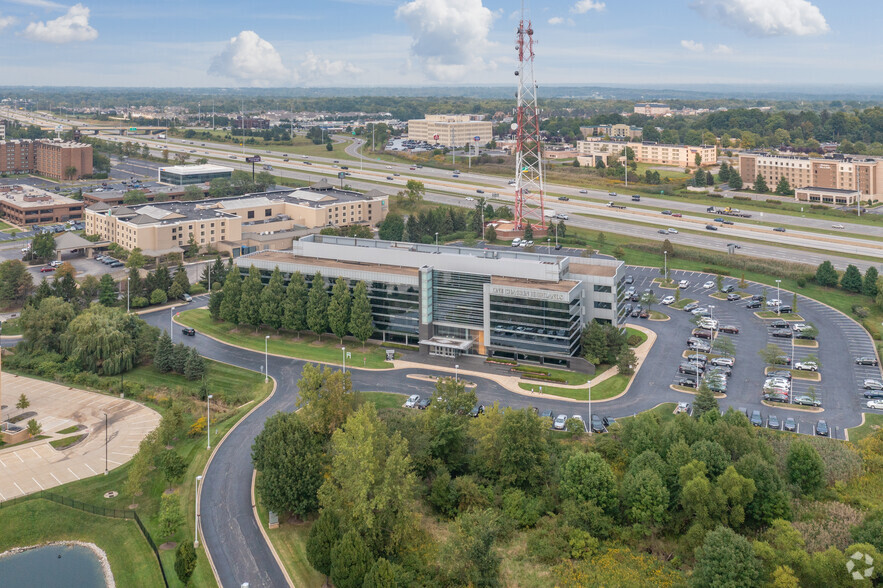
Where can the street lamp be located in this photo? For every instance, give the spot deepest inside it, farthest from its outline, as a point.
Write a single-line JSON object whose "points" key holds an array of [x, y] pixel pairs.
{"points": [[590, 407], [778, 298], [266, 359], [436, 242], [196, 514], [105, 444], [128, 288], [711, 315], [208, 411], [171, 326], [457, 372], [665, 265], [548, 246], [343, 354]]}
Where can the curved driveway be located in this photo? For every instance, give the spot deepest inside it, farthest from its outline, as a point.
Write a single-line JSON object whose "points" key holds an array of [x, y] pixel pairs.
{"points": [[231, 533]]}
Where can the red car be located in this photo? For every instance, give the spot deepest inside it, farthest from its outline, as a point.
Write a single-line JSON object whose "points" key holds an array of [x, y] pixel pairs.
{"points": [[677, 214], [48, 268]]}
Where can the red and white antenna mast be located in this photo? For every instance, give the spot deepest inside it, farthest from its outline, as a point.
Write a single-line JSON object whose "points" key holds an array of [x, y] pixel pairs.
{"points": [[529, 188]]}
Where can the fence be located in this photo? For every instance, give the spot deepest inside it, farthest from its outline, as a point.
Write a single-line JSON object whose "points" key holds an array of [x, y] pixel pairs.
{"points": [[97, 510]]}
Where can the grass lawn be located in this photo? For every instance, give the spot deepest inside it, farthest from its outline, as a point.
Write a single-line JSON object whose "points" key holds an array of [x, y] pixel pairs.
{"points": [[785, 316], [630, 332], [290, 542], [604, 390], [658, 316], [680, 304], [664, 411], [300, 145], [307, 347], [873, 423], [4, 226], [66, 441], [37, 521], [384, 399], [11, 327], [73, 429], [805, 343]]}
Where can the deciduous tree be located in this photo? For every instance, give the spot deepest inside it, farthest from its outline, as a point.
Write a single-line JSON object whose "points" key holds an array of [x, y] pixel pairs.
{"points": [[851, 280], [170, 517], [587, 477], [43, 325], [326, 398], [725, 559], [805, 468]]}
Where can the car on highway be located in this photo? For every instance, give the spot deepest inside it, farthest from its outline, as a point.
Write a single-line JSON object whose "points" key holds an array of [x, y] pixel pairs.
{"points": [[583, 191], [779, 229], [560, 422], [837, 226], [470, 199], [878, 404], [672, 231], [677, 214], [479, 191], [190, 332], [563, 198], [809, 366], [683, 284], [388, 177], [756, 419], [412, 401], [806, 401], [866, 361], [667, 300], [708, 284], [662, 232], [772, 422], [710, 228], [731, 329], [718, 220], [790, 425], [727, 222], [611, 193], [822, 428], [870, 384], [668, 212]]}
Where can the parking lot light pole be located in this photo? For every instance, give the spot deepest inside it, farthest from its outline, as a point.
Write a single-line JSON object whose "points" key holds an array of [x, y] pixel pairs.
{"points": [[208, 412], [128, 287], [778, 298], [457, 372], [196, 514], [343, 354], [711, 316], [105, 444], [590, 407], [665, 265], [266, 359]]}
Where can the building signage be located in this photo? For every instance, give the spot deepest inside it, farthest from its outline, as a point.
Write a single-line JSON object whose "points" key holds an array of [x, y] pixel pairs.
{"points": [[513, 292]]}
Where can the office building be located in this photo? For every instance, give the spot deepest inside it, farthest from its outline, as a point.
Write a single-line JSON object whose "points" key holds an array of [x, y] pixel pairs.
{"points": [[838, 172], [652, 108], [619, 132], [451, 130], [454, 301], [590, 152], [60, 160], [240, 225], [26, 205], [184, 175], [251, 123]]}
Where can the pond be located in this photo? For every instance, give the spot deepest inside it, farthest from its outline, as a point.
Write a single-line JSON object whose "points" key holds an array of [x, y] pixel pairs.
{"points": [[77, 567]]}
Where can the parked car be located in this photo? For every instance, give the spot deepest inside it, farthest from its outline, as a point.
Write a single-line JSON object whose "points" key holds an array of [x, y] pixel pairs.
{"points": [[822, 428], [779, 324], [790, 424], [782, 333], [699, 358], [809, 366], [476, 410], [870, 384], [753, 304], [701, 333], [683, 407], [878, 404], [546, 414], [708, 284], [866, 361], [731, 329], [683, 284], [756, 419], [630, 279], [873, 394], [806, 401], [598, 424], [685, 381], [772, 422], [667, 300], [728, 288], [560, 422], [776, 397], [48, 268], [690, 369], [783, 374], [579, 418], [691, 307], [424, 403], [186, 297], [412, 401], [732, 297], [723, 361]]}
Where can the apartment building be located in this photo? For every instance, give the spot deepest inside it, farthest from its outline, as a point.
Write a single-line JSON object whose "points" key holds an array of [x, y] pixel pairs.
{"points": [[456, 301], [61, 160], [451, 130], [652, 108], [838, 172], [619, 132], [236, 225], [26, 205], [590, 152]]}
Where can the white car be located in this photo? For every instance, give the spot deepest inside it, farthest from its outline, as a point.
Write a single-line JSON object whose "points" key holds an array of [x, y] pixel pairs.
{"points": [[583, 191], [838, 227], [873, 385], [580, 419], [708, 284], [707, 323], [560, 421], [672, 231], [470, 199], [878, 404], [774, 302], [389, 167], [667, 300], [412, 401], [777, 383], [809, 366], [683, 284]]}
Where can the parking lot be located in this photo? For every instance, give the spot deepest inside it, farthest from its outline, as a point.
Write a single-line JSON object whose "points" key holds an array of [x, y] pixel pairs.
{"points": [[840, 341]]}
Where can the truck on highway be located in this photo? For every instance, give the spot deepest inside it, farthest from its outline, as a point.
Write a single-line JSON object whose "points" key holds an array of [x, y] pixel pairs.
{"points": [[549, 213], [161, 136], [729, 211], [614, 205]]}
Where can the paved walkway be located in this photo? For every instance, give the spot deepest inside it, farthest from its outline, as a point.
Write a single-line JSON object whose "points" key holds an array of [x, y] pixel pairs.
{"points": [[37, 465]]}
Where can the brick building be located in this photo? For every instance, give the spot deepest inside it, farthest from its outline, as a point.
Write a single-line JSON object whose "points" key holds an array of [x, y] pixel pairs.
{"points": [[26, 205], [50, 158], [838, 172]]}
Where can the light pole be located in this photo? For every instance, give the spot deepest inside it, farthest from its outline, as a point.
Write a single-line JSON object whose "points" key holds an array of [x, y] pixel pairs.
{"points": [[778, 299], [665, 265], [196, 514], [105, 444], [556, 237], [208, 412], [343, 353], [548, 246], [128, 287], [436, 243], [711, 313], [457, 372], [590, 407], [266, 359], [171, 329]]}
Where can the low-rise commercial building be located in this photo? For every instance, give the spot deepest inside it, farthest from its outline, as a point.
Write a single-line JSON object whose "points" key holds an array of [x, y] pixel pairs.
{"points": [[839, 172], [236, 225], [619, 131], [832, 196], [451, 130], [590, 152], [185, 175], [26, 205], [61, 160], [251, 123], [456, 300], [652, 108]]}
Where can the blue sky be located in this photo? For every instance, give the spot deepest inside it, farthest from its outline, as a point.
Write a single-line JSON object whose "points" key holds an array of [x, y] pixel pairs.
{"points": [[437, 42]]}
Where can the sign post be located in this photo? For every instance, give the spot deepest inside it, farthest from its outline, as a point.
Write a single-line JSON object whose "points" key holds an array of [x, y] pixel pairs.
{"points": [[253, 160], [341, 175]]}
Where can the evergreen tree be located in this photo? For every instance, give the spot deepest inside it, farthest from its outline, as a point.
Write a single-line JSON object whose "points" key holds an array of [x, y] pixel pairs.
{"points": [[734, 180], [382, 574], [185, 561], [215, 300], [194, 368], [392, 227], [699, 178], [162, 280], [179, 358], [705, 401], [232, 295], [181, 280], [851, 280], [350, 561], [723, 175], [339, 308], [412, 227], [826, 275], [528, 232], [44, 290], [135, 283], [869, 287], [107, 292], [760, 184], [324, 535], [317, 306], [272, 298], [709, 179], [162, 356], [217, 273], [783, 188], [250, 302], [361, 317], [294, 307]]}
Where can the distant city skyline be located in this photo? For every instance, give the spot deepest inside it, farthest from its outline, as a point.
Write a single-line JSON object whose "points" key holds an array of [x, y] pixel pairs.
{"points": [[438, 42]]}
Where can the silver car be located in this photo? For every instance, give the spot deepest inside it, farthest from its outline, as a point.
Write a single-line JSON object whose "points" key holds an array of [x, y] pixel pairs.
{"points": [[560, 422]]}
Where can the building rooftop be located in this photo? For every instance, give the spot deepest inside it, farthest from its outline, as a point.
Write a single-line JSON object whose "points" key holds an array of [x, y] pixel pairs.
{"points": [[828, 190], [30, 197], [583, 269], [560, 286], [288, 257], [189, 170]]}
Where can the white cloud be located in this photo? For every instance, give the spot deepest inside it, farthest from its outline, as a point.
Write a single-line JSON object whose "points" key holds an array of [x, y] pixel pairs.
{"points": [[556, 20], [67, 28], [583, 6], [250, 59], [449, 36], [5, 21], [314, 67], [723, 50], [766, 18], [40, 4], [693, 46]]}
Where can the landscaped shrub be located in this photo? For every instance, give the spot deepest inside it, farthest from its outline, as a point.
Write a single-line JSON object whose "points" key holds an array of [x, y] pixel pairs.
{"points": [[801, 282], [635, 340], [860, 311]]}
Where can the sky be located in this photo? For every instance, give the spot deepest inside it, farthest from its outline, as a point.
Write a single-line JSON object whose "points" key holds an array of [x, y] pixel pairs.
{"points": [[327, 43]]}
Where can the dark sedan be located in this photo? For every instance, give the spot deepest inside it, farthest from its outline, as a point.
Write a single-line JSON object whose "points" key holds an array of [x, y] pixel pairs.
{"points": [[822, 428]]}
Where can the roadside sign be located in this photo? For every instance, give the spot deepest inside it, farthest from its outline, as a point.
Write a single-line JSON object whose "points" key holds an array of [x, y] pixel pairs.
{"points": [[341, 175], [476, 138], [133, 128], [253, 159]]}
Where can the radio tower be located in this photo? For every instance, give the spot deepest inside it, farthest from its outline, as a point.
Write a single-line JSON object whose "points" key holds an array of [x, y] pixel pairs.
{"points": [[529, 187]]}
